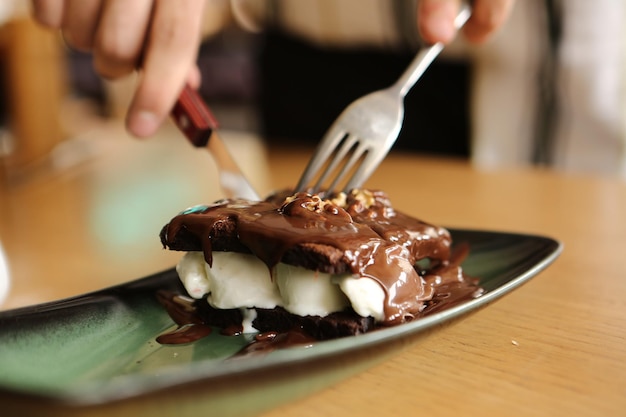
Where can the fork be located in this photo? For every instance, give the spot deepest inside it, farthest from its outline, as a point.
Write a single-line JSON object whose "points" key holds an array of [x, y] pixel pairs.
{"points": [[365, 131]]}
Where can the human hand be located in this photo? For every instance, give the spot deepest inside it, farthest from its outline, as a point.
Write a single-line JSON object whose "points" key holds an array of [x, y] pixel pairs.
{"points": [[159, 37], [435, 19]]}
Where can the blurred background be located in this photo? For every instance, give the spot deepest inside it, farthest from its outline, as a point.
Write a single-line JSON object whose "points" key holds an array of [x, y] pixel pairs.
{"points": [[547, 90]]}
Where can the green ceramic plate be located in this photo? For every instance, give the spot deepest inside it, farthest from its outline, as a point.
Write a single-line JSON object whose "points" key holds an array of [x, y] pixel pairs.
{"points": [[96, 354]]}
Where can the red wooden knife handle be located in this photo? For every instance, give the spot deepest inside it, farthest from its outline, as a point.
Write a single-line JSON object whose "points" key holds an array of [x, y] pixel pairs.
{"points": [[193, 117]]}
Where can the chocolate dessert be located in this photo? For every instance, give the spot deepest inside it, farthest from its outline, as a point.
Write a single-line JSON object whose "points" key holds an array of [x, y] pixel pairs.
{"points": [[329, 267]]}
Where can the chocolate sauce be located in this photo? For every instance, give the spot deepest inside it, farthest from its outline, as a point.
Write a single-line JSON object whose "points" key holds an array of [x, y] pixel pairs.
{"points": [[376, 241], [267, 342], [182, 311], [450, 284], [185, 334], [233, 330], [191, 327]]}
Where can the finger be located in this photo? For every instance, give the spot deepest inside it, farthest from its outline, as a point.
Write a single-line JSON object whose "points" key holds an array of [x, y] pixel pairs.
{"points": [[80, 20], [169, 61], [487, 17], [435, 20], [48, 12], [194, 78], [121, 36]]}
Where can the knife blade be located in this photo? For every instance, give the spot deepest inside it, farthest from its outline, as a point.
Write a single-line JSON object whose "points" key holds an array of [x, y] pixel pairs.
{"points": [[194, 119]]}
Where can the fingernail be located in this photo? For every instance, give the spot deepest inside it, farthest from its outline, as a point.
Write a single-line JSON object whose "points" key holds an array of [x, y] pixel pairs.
{"points": [[143, 124]]}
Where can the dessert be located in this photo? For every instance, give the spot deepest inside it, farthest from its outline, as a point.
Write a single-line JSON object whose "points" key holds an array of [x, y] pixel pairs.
{"points": [[331, 267]]}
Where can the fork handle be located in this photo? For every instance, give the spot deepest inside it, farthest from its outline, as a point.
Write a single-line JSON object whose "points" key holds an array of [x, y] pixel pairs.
{"points": [[425, 57]]}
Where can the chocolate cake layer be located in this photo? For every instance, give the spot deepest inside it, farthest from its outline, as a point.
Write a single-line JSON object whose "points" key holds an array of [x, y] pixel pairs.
{"points": [[332, 326]]}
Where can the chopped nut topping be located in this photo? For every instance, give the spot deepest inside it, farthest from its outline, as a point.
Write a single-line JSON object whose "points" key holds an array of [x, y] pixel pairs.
{"points": [[340, 200], [362, 198], [365, 197]]}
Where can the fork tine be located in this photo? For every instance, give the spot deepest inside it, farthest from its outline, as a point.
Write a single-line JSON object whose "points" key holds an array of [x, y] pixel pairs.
{"points": [[367, 167], [333, 137], [357, 153], [344, 147]]}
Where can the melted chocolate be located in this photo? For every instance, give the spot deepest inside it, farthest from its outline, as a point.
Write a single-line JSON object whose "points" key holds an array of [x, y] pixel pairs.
{"points": [[184, 334], [375, 241], [267, 342], [450, 284], [191, 326], [232, 330]]}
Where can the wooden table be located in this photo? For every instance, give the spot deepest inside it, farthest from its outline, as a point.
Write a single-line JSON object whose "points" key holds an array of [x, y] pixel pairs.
{"points": [[556, 346], [35, 84]]}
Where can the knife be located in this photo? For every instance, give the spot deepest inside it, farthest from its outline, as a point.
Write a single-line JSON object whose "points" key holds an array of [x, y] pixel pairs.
{"points": [[198, 124]]}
